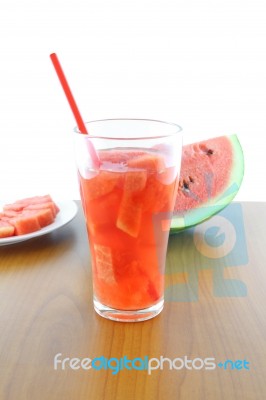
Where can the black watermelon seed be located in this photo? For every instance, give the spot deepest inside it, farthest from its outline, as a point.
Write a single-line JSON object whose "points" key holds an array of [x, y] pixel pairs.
{"points": [[185, 184], [205, 149]]}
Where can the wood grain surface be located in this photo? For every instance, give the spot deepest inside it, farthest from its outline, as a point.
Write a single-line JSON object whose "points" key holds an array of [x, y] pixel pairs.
{"points": [[214, 309]]}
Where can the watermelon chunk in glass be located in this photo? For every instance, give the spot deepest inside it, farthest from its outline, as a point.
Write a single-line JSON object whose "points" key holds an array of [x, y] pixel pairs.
{"points": [[143, 192], [129, 215], [148, 162]]}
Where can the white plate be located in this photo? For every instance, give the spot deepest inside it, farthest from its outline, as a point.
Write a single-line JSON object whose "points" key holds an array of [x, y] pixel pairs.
{"points": [[68, 210]]}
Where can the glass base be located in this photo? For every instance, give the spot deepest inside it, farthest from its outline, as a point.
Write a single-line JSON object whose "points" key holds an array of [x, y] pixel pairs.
{"points": [[125, 315]]}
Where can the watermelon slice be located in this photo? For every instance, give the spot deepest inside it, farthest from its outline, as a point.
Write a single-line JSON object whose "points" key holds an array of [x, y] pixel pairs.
{"points": [[27, 215], [35, 200], [49, 205], [13, 207], [45, 216], [24, 224], [6, 229], [211, 175]]}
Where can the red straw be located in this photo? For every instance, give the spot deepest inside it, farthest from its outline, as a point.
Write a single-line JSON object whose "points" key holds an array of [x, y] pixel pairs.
{"points": [[73, 105]]}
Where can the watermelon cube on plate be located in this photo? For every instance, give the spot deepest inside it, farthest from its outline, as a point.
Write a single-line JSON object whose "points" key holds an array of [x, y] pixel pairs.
{"points": [[14, 207], [35, 199], [27, 215], [10, 213], [44, 216], [6, 229], [41, 206], [24, 224]]}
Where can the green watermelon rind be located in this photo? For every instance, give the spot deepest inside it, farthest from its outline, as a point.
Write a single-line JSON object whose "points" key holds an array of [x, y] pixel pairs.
{"points": [[218, 203]]}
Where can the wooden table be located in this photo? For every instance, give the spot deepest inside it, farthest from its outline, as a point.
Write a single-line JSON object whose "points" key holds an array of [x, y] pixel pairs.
{"points": [[211, 311]]}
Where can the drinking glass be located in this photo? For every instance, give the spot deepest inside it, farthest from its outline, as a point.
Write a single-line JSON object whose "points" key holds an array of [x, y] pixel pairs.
{"points": [[128, 196]]}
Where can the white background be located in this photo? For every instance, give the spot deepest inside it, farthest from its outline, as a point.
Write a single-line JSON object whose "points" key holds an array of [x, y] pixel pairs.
{"points": [[198, 63]]}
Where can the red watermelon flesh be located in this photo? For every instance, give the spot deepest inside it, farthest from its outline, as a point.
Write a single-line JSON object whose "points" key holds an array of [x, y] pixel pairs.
{"points": [[28, 221], [49, 205], [211, 174], [205, 171], [6, 229], [45, 216], [13, 207], [10, 214], [24, 224], [35, 199], [27, 215]]}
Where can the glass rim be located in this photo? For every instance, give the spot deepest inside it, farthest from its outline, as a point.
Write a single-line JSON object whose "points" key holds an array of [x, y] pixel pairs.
{"points": [[172, 124]]}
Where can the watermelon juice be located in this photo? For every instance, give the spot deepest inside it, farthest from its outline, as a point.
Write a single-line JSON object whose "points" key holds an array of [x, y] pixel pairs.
{"points": [[127, 202]]}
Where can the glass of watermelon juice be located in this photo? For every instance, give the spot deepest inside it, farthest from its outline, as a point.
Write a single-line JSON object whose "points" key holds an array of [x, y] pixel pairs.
{"points": [[127, 201]]}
